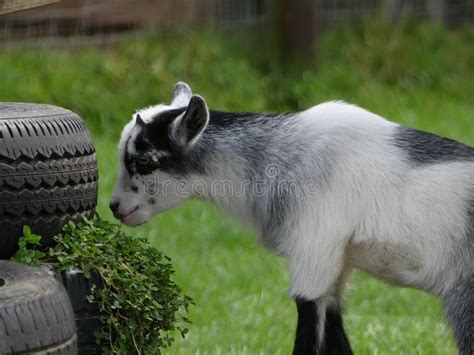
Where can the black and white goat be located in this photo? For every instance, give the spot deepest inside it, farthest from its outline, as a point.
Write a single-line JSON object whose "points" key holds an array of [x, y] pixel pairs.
{"points": [[331, 189]]}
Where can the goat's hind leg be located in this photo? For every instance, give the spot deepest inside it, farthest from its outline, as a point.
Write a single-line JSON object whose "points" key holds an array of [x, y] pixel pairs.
{"points": [[459, 308]]}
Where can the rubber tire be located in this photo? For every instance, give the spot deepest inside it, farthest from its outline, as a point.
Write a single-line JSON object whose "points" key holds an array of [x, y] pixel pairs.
{"points": [[36, 315], [87, 314], [48, 172]]}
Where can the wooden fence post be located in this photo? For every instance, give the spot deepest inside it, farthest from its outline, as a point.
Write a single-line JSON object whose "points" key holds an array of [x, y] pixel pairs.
{"points": [[436, 10], [298, 26], [8, 6], [393, 10]]}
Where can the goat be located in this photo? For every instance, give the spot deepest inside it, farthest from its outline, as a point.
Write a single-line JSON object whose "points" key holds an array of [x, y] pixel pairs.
{"points": [[330, 189]]}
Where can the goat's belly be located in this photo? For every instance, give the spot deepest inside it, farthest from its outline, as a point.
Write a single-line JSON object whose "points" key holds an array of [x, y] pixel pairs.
{"points": [[396, 264]]}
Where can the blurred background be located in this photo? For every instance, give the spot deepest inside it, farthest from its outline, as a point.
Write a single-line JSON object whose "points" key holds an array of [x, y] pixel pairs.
{"points": [[409, 61]]}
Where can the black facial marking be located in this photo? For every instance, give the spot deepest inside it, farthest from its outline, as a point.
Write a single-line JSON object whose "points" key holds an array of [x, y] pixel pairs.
{"points": [[151, 137], [128, 159], [426, 148], [157, 131], [156, 135], [145, 165], [142, 144]]}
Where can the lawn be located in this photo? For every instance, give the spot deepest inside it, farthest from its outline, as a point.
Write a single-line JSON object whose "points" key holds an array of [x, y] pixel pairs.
{"points": [[420, 76]]}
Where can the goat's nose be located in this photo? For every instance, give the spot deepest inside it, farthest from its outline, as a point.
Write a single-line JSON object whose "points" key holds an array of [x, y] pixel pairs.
{"points": [[114, 205]]}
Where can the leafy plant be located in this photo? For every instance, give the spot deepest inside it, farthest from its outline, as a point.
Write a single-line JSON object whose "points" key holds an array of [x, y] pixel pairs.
{"points": [[26, 255], [141, 306]]}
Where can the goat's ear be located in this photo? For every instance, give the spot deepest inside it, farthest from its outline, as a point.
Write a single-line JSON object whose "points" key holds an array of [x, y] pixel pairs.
{"points": [[189, 126], [181, 95]]}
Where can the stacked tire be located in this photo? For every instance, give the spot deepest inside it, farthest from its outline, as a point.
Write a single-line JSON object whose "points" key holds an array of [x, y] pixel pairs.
{"points": [[48, 172], [87, 314], [48, 176], [36, 315]]}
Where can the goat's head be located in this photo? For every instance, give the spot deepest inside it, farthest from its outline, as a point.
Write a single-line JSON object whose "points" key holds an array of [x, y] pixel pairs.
{"points": [[157, 151]]}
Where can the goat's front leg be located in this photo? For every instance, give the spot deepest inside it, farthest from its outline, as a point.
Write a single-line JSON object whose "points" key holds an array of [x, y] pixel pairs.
{"points": [[319, 329], [319, 274]]}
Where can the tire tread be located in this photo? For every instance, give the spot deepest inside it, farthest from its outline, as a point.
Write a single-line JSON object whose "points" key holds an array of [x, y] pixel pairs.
{"points": [[48, 172], [35, 312]]}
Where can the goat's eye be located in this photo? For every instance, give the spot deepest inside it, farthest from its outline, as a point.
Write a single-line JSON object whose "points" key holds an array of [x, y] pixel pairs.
{"points": [[145, 165], [142, 160]]}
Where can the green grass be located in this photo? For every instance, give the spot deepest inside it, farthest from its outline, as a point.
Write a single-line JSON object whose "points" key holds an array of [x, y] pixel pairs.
{"points": [[419, 76]]}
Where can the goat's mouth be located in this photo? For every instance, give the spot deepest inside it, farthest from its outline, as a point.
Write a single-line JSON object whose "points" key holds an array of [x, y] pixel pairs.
{"points": [[133, 218]]}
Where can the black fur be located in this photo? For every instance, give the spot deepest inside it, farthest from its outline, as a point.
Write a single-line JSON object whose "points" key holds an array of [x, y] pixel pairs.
{"points": [[224, 120], [426, 148], [335, 338], [306, 342], [459, 300], [129, 160], [335, 341], [459, 306]]}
